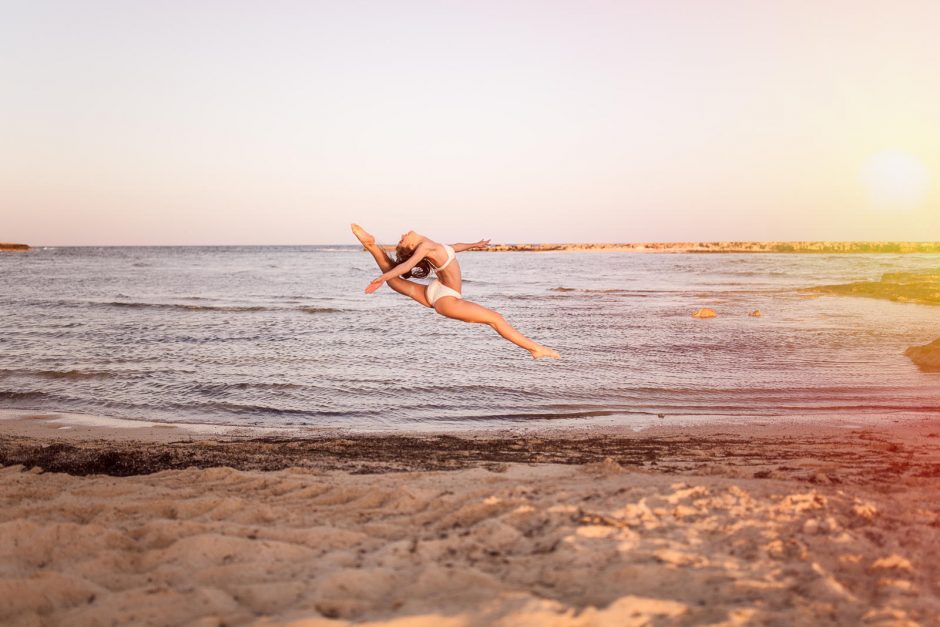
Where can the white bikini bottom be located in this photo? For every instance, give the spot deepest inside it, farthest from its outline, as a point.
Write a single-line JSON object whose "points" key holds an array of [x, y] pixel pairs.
{"points": [[437, 291]]}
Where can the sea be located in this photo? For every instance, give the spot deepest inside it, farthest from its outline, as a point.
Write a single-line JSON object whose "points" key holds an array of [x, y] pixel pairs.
{"points": [[286, 337]]}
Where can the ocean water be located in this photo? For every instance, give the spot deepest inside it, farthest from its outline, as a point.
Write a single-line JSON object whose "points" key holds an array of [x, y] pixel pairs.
{"points": [[285, 336]]}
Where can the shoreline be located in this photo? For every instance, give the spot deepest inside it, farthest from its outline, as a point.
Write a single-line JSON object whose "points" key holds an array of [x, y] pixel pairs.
{"points": [[117, 447], [71, 426], [720, 524]]}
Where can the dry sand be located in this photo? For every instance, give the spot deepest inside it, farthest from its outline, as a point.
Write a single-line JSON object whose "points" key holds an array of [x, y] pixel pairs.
{"points": [[789, 525]]}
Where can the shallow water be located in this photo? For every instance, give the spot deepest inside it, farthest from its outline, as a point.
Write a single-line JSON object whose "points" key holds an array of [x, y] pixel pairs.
{"points": [[278, 336]]}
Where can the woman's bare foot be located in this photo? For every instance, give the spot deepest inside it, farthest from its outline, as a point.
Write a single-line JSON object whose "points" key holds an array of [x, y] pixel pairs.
{"points": [[366, 239], [544, 352]]}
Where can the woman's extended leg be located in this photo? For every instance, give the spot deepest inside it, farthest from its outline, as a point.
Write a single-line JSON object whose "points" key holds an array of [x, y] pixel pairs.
{"points": [[416, 291], [471, 312]]}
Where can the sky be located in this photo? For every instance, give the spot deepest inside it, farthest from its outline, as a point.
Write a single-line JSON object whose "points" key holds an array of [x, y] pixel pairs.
{"points": [[227, 122]]}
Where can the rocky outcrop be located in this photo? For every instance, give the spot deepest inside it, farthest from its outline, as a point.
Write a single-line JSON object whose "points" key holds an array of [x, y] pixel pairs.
{"points": [[719, 247], [906, 287], [927, 357], [705, 312], [13, 247], [730, 247]]}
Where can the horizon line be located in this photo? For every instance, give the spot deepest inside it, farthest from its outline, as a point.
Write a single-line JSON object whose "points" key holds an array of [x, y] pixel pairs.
{"points": [[507, 243]]}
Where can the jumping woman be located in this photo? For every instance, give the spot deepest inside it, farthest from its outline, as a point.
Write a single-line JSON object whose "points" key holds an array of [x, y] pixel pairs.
{"points": [[417, 257]]}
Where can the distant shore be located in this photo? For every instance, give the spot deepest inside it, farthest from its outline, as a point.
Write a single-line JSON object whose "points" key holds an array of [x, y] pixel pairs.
{"points": [[683, 247], [724, 247]]}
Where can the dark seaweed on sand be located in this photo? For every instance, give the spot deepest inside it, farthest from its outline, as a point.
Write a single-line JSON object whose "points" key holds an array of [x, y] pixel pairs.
{"points": [[855, 457]]}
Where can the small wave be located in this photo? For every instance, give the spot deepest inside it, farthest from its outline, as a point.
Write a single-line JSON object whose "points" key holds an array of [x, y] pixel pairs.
{"points": [[183, 307], [310, 309], [20, 396], [247, 385], [230, 308], [612, 290], [527, 416], [244, 409], [216, 389], [54, 374]]}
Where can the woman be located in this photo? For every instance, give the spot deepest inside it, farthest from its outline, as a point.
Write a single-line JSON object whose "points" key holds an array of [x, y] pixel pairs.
{"points": [[417, 256]]}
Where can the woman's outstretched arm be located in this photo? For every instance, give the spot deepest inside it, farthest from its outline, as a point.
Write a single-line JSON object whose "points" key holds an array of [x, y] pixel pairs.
{"points": [[459, 248], [420, 253]]}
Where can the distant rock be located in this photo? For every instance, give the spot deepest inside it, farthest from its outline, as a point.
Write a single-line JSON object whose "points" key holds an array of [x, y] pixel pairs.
{"points": [[926, 357], [13, 248], [704, 312], [755, 314]]}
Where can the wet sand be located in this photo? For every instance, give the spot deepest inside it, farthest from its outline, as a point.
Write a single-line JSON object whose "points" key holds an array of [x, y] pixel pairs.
{"points": [[798, 523]]}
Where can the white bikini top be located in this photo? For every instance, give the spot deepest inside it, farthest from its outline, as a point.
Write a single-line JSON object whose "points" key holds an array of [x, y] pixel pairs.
{"points": [[451, 255]]}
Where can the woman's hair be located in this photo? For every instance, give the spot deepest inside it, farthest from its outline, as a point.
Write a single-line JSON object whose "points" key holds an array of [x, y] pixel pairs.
{"points": [[419, 271]]}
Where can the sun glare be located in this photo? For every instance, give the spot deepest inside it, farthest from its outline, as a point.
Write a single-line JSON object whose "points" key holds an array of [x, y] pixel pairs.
{"points": [[895, 180]]}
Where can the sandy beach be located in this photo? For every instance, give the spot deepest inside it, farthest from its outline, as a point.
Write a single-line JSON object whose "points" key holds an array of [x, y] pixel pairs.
{"points": [[795, 523]]}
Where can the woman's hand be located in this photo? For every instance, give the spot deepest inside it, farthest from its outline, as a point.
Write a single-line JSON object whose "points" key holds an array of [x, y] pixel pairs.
{"points": [[375, 284], [483, 243]]}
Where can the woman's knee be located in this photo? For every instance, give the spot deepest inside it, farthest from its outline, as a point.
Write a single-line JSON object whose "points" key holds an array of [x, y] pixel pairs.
{"points": [[495, 320]]}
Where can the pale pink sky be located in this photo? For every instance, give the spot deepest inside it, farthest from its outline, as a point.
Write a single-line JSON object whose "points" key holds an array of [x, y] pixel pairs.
{"points": [[281, 122]]}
